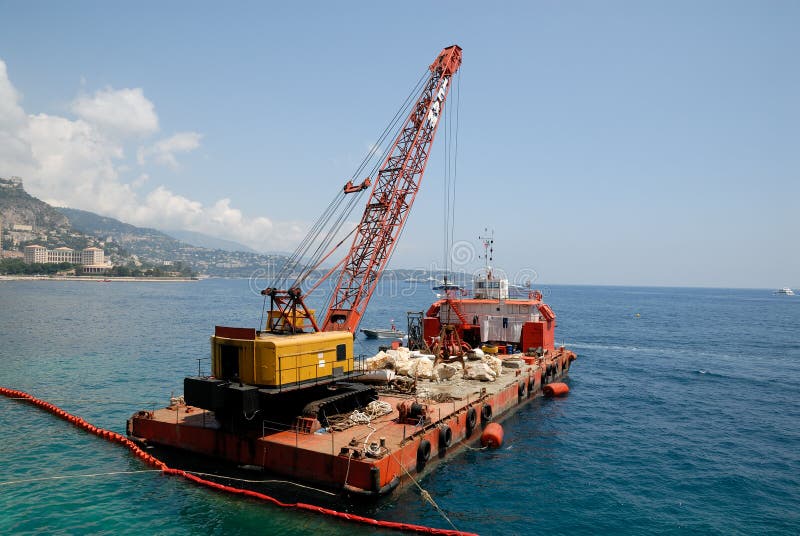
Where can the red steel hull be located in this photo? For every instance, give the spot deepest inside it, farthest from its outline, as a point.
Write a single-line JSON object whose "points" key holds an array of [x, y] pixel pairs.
{"points": [[338, 460]]}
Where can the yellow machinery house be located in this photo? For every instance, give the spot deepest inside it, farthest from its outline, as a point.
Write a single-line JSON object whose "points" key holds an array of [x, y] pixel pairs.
{"points": [[277, 361]]}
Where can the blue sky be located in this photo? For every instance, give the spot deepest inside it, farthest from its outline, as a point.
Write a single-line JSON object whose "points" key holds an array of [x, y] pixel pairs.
{"points": [[630, 143]]}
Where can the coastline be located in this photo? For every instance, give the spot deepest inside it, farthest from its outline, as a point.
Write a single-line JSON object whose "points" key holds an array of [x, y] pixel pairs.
{"points": [[98, 279]]}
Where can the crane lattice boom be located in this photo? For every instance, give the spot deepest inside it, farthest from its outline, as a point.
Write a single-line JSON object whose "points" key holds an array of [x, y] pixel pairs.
{"points": [[393, 191], [392, 195]]}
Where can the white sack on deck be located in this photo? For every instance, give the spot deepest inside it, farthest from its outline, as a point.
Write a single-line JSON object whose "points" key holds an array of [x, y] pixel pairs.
{"points": [[445, 371], [480, 371], [422, 368], [377, 362]]}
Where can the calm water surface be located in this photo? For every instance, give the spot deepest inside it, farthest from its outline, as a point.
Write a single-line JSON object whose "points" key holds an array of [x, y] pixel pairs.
{"points": [[683, 420]]}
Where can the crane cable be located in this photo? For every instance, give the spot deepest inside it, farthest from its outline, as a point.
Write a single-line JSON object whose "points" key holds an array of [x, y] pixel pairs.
{"points": [[334, 212], [445, 112], [393, 127], [450, 177], [455, 156], [449, 190], [433, 80]]}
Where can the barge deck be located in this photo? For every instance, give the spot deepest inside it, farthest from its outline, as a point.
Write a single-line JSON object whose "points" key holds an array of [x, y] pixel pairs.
{"points": [[374, 454]]}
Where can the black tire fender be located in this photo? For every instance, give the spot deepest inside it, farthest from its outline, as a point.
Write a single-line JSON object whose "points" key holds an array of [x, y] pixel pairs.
{"points": [[445, 437], [423, 453], [472, 420], [486, 413]]}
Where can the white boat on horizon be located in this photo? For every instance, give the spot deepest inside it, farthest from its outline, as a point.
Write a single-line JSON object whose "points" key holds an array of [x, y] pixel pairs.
{"points": [[785, 291]]}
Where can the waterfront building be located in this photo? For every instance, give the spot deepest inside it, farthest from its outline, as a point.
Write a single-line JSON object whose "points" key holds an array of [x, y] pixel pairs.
{"points": [[35, 254], [93, 258], [63, 254]]}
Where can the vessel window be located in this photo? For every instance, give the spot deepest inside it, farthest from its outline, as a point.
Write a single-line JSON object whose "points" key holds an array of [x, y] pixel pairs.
{"points": [[341, 352], [229, 358]]}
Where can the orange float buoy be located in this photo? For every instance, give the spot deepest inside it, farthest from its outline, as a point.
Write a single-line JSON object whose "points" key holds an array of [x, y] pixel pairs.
{"points": [[492, 435], [555, 389]]}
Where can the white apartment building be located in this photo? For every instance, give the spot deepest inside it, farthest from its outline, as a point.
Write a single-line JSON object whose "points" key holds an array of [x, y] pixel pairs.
{"points": [[89, 257], [63, 254], [35, 254], [92, 257]]}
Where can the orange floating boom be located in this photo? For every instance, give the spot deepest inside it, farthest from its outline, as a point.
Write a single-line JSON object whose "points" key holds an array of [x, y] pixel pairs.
{"points": [[114, 437]]}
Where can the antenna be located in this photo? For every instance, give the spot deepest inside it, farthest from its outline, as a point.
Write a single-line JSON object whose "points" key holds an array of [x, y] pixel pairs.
{"points": [[488, 249]]}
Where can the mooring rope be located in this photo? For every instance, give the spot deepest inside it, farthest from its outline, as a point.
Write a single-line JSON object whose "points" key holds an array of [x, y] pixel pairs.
{"points": [[114, 437], [68, 477], [426, 496], [265, 481]]}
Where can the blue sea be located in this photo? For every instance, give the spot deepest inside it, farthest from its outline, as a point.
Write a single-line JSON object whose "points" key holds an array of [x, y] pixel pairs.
{"points": [[682, 417]]}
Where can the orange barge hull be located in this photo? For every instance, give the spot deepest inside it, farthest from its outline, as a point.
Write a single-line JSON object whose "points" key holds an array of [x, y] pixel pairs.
{"points": [[367, 460]]}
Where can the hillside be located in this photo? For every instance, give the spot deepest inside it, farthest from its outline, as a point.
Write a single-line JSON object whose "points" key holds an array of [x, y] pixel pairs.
{"points": [[141, 241], [19, 207], [150, 246], [28, 220], [208, 242]]}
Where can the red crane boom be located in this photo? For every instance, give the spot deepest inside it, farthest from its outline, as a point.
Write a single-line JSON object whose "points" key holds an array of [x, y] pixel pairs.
{"points": [[392, 195], [393, 192]]}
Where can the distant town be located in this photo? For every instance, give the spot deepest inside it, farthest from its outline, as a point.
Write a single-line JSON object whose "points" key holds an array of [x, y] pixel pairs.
{"points": [[38, 239]]}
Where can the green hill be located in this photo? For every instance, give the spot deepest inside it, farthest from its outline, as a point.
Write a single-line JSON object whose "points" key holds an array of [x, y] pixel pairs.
{"points": [[140, 241]]}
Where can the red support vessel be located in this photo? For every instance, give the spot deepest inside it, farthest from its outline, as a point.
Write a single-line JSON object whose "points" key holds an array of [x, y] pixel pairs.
{"points": [[490, 318]]}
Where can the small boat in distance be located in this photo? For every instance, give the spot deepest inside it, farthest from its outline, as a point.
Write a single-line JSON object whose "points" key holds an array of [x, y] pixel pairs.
{"points": [[379, 333], [786, 291]]}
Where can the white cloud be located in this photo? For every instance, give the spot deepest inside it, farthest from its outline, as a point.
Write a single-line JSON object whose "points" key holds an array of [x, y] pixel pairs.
{"points": [[74, 163], [13, 149], [81, 163], [140, 180], [11, 113], [163, 151], [121, 112], [173, 211]]}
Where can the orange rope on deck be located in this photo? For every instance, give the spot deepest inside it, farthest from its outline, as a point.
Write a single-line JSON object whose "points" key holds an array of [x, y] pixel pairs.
{"points": [[154, 462]]}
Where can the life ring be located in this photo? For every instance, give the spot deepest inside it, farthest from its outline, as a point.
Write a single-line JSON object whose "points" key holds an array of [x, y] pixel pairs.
{"points": [[423, 453], [472, 420], [445, 437], [486, 413]]}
